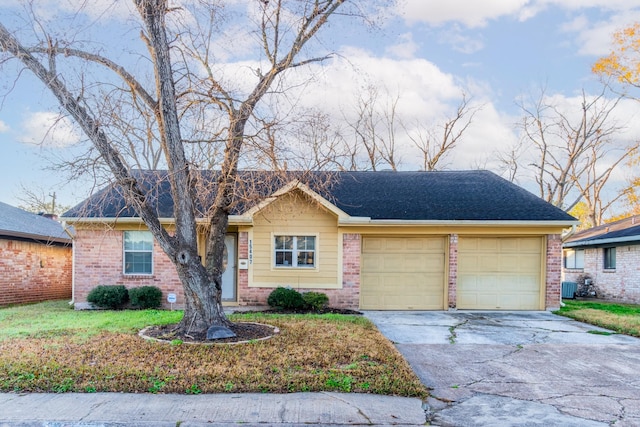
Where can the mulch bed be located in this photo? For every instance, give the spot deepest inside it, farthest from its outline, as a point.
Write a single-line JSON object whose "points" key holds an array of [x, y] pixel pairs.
{"points": [[245, 331]]}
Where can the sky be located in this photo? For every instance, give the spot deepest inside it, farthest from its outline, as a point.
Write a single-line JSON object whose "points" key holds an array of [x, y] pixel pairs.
{"points": [[427, 53]]}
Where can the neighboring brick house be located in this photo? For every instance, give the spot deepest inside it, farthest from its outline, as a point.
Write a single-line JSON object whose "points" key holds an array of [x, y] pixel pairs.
{"points": [[369, 240], [35, 258], [610, 255]]}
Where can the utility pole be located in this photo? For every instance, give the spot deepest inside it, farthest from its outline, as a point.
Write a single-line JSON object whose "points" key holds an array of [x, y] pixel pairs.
{"points": [[53, 203]]}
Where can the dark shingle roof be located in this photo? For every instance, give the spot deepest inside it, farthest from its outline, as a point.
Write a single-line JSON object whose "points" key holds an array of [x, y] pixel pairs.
{"points": [[17, 223], [625, 230], [439, 196]]}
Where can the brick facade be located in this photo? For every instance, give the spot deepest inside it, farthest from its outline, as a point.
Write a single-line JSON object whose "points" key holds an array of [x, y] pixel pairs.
{"points": [[621, 284], [554, 272], [453, 270], [33, 272], [99, 261]]}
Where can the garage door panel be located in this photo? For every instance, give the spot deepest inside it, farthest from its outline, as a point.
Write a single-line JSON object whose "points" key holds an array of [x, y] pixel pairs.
{"points": [[499, 273], [402, 273]]}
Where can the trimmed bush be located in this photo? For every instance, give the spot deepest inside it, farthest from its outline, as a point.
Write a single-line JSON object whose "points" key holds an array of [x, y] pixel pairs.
{"points": [[145, 297], [316, 301], [109, 296], [284, 298]]}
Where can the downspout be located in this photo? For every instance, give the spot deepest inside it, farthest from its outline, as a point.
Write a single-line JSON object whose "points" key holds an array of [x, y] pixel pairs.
{"points": [[73, 262]]}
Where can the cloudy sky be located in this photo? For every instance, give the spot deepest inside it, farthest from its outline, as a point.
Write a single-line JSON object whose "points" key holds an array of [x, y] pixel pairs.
{"points": [[426, 54]]}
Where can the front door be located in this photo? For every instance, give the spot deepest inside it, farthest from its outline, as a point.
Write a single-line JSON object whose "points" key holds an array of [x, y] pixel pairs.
{"points": [[229, 268]]}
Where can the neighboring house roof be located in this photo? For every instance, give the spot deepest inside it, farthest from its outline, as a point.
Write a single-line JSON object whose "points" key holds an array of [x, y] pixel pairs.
{"points": [[404, 196], [18, 223], [624, 231]]}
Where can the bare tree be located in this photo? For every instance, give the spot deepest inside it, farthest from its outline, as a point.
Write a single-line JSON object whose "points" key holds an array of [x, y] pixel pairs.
{"points": [[373, 132], [575, 152], [435, 142], [38, 200], [186, 83]]}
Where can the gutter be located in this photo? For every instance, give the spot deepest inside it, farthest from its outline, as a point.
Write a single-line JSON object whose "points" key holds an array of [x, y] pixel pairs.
{"points": [[233, 219], [464, 222]]}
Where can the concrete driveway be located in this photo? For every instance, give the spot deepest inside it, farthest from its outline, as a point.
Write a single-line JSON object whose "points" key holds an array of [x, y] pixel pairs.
{"points": [[518, 368]]}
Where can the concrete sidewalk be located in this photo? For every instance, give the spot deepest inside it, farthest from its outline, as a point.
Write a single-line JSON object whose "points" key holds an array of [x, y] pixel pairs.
{"points": [[120, 409]]}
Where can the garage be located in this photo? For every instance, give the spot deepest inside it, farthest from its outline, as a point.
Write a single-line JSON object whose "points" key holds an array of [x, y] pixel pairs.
{"points": [[500, 273], [402, 273]]}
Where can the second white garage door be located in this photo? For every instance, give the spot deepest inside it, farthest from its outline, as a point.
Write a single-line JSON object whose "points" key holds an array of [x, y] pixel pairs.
{"points": [[499, 273], [402, 273]]}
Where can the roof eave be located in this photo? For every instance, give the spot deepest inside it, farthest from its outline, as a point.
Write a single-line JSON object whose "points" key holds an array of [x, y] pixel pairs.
{"points": [[233, 220], [597, 242], [460, 222], [38, 237]]}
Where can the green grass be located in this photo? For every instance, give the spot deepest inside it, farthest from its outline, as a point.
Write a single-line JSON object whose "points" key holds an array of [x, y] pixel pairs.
{"points": [[58, 318], [621, 318], [49, 347]]}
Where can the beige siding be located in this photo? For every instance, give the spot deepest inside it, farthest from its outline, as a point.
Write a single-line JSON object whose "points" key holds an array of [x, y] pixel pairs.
{"points": [[295, 214], [402, 273], [499, 273]]}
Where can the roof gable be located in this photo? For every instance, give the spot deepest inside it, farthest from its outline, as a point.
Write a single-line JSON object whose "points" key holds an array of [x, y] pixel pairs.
{"points": [[401, 196]]}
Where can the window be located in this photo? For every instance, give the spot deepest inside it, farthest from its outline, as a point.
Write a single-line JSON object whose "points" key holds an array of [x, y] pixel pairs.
{"points": [[138, 252], [609, 258], [574, 258], [295, 251]]}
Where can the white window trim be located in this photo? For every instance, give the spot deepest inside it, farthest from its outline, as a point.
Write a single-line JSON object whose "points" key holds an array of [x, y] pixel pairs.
{"points": [[575, 259], [124, 258], [295, 267]]}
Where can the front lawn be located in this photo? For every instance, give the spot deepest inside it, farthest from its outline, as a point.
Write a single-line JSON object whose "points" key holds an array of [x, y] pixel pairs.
{"points": [[49, 347], [622, 318]]}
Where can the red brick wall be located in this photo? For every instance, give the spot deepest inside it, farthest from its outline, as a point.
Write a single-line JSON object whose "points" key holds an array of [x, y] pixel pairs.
{"points": [[347, 297], [98, 261], [554, 271], [33, 272], [453, 270]]}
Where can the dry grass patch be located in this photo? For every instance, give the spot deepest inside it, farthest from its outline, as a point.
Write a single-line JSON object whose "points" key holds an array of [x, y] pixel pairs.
{"points": [[311, 353]]}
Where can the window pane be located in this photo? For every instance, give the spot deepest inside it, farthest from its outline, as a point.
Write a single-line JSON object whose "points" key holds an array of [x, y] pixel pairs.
{"points": [[610, 258], [306, 242], [579, 258], [284, 258], [284, 242], [137, 262], [570, 258], [306, 259], [138, 241]]}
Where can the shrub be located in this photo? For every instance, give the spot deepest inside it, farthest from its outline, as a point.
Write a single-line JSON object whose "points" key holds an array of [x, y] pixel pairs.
{"points": [[285, 299], [145, 297], [109, 296], [315, 300]]}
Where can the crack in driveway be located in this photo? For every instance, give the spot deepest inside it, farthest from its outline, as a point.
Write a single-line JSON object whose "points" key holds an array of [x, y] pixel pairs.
{"points": [[544, 367]]}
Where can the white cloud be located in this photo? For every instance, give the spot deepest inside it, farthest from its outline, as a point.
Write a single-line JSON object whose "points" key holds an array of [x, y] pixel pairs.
{"points": [[595, 38], [4, 127], [479, 13], [405, 48], [49, 130], [469, 13]]}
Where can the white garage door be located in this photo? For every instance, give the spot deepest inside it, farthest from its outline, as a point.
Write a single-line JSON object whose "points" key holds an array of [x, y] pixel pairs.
{"points": [[499, 273], [402, 273]]}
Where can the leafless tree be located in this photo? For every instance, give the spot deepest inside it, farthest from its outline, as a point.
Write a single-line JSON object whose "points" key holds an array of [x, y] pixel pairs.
{"points": [[371, 139], [436, 141], [575, 152], [187, 83]]}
